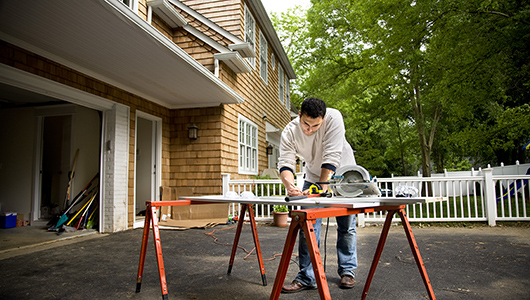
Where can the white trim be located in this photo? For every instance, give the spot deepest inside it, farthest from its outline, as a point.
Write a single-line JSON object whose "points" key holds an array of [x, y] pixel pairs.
{"points": [[165, 41], [207, 22], [248, 16], [37, 176], [167, 13], [234, 61], [231, 58], [102, 157], [157, 134], [263, 57], [126, 14], [40, 85], [281, 84], [41, 113], [245, 170], [243, 48]]}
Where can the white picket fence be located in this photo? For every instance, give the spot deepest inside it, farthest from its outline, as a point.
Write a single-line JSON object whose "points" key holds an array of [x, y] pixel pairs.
{"points": [[478, 196]]}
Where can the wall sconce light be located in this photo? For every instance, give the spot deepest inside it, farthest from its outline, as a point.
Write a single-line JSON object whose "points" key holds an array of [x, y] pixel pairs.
{"points": [[193, 132], [269, 150]]}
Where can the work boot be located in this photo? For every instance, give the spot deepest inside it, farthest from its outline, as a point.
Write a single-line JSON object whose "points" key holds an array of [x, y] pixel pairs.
{"points": [[296, 286], [347, 282]]}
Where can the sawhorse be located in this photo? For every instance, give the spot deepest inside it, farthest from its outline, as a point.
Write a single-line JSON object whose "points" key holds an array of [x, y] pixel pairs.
{"points": [[151, 219], [304, 219]]}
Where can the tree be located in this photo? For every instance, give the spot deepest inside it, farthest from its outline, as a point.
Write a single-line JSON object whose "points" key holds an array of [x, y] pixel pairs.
{"points": [[435, 64], [456, 74], [292, 27]]}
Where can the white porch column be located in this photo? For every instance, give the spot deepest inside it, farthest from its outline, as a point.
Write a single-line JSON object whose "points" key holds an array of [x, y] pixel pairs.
{"points": [[115, 169], [489, 193], [300, 179], [226, 183]]}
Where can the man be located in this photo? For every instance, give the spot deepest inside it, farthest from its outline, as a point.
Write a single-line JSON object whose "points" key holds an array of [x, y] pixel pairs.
{"points": [[318, 136]]}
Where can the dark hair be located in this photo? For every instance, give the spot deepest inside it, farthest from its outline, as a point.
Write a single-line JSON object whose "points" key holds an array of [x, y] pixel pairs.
{"points": [[313, 108]]}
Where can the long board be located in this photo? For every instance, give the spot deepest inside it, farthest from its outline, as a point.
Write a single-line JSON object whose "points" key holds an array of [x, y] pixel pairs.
{"points": [[357, 202]]}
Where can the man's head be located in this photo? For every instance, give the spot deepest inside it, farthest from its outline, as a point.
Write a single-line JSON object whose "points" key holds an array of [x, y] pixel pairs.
{"points": [[312, 115], [313, 108]]}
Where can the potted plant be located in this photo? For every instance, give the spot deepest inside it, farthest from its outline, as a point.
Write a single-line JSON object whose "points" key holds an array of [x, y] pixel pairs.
{"points": [[280, 215]]}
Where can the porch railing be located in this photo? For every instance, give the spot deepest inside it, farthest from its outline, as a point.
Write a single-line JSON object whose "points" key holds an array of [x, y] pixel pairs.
{"points": [[480, 196]]}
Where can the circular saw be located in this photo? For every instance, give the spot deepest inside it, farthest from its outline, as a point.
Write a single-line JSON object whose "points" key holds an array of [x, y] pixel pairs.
{"points": [[353, 181]]}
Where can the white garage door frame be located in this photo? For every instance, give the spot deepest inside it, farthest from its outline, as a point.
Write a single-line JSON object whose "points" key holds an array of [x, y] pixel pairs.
{"points": [[114, 146]]}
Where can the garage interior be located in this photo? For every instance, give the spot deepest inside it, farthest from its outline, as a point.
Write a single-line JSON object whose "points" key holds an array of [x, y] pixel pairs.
{"points": [[40, 137]]}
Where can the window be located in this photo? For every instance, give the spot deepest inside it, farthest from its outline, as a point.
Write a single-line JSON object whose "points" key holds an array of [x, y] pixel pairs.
{"points": [[248, 147], [273, 61], [287, 95], [250, 34], [132, 4], [280, 83], [263, 57]]}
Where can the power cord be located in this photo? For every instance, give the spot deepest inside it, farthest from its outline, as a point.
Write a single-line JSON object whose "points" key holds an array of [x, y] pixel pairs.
{"points": [[216, 241], [326, 245]]}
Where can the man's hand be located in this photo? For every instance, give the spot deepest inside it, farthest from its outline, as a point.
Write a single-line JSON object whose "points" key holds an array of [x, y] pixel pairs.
{"points": [[292, 190]]}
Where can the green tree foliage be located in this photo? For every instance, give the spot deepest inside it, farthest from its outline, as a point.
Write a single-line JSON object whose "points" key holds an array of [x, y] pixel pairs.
{"points": [[293, 31], [431, 83]]}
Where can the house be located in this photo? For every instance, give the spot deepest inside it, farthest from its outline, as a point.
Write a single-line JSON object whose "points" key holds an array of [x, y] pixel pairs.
{"points": [[147, 93]]}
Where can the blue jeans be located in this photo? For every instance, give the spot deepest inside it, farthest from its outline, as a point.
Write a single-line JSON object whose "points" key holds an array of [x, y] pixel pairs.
{"points": [[346, 248]]}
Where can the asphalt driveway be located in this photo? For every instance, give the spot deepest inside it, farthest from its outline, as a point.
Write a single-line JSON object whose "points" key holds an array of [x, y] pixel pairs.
{"points": [[462, 263]]}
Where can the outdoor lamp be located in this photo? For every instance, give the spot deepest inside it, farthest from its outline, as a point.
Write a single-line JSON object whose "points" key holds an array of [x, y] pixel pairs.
{"points": [[193, 132], [269, 150]]}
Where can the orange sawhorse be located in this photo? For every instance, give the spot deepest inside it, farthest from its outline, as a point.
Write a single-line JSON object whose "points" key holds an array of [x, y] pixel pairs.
{"points": [[304, 219], [151, 219]]}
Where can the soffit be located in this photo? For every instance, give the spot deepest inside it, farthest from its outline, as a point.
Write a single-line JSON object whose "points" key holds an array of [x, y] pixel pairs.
{"points": [[106, 40]]}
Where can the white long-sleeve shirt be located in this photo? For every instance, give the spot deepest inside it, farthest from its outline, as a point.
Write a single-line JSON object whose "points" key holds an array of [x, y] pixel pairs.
{"points": [[327, 145]]}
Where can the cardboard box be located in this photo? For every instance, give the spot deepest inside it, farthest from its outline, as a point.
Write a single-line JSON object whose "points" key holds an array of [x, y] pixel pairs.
{"points": [[20, 220], [8, 220], [190, 216], [167, 194]]}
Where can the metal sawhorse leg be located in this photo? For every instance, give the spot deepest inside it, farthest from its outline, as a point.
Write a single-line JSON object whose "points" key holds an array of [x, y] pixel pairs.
{"points": [[151, 219], [304, 219]]}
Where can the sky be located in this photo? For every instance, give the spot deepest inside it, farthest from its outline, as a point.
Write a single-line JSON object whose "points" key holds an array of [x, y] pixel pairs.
{"points": [[279, 6]]}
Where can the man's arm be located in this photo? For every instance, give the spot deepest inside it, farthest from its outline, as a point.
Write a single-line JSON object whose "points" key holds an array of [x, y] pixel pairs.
{"points": [[287, 178], [325, 175]]}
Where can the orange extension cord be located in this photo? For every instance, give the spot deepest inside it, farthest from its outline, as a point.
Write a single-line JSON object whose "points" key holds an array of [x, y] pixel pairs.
{"points": [[216, 240]]}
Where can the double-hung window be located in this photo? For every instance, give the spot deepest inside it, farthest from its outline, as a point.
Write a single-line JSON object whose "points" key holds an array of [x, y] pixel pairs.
{"points": [[250, 34], [263, 57], [280, 83], [287, 95], [248, 146]]}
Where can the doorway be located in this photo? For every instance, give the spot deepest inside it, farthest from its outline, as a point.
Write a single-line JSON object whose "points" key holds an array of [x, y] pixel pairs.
{"points": [[147, 162], [56, 144]]}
